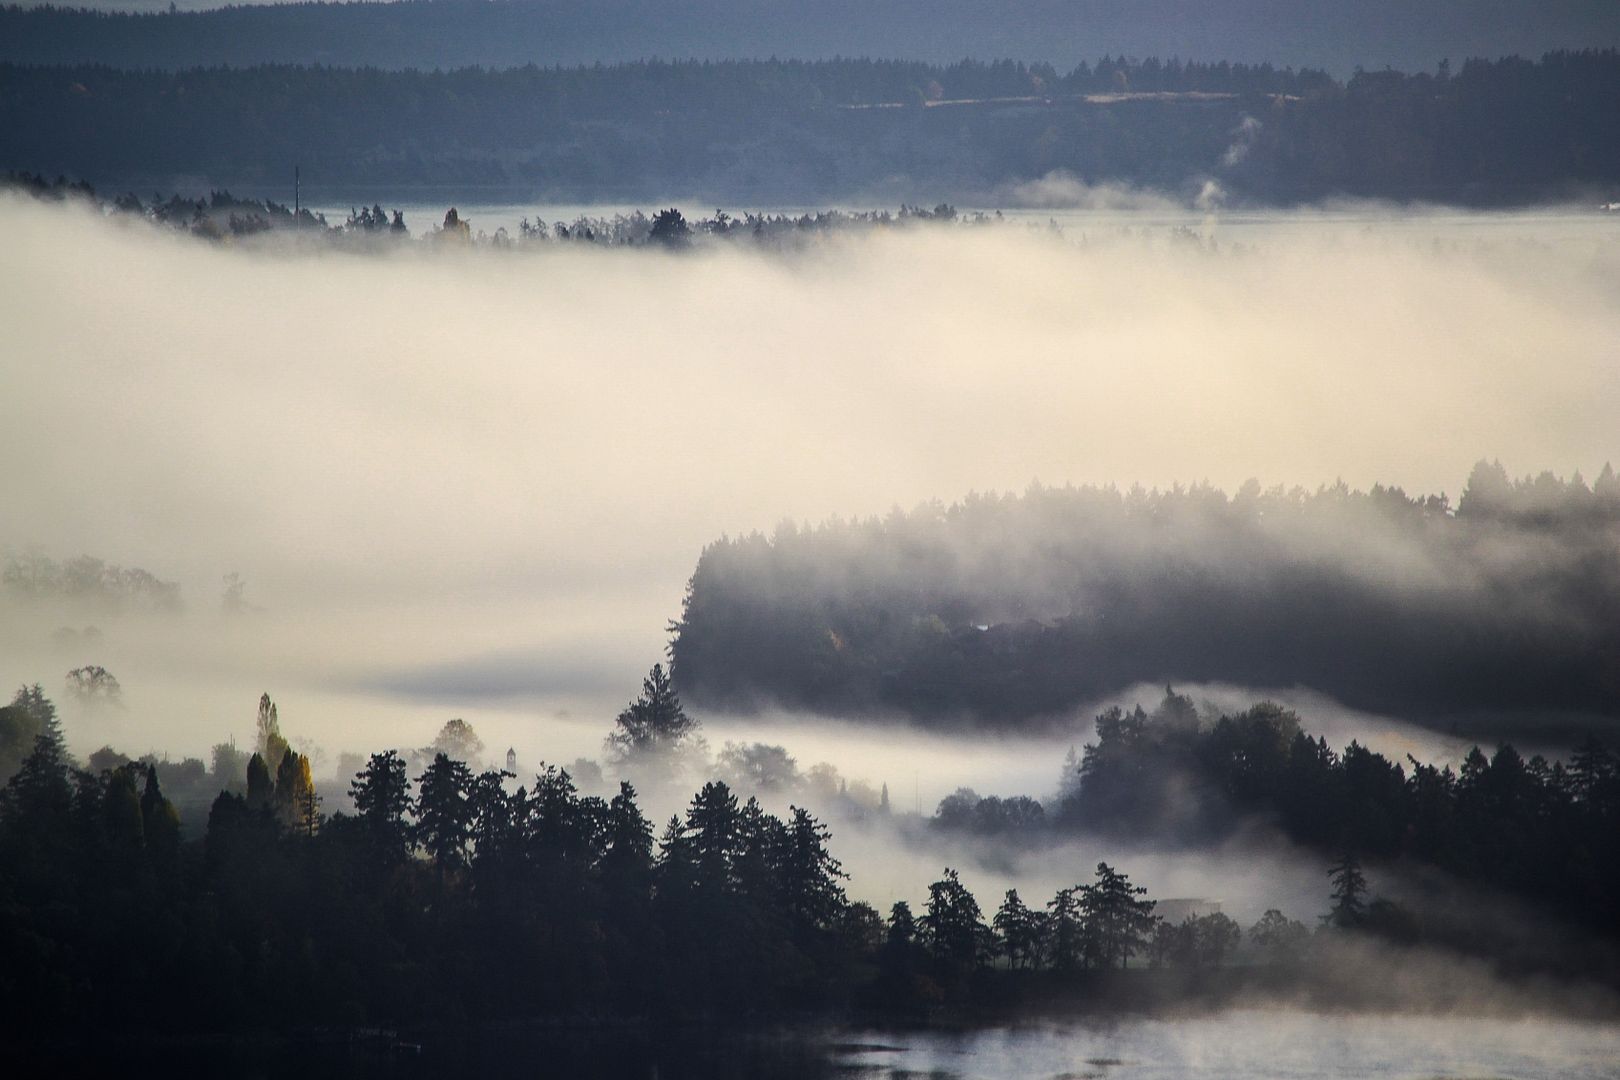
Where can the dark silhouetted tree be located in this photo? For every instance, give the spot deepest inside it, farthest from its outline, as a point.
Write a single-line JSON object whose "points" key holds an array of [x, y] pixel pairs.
{"points": [[652, 726], [1119, 922], [382, 799], [1279, 938], [953, 925], [669, 228], [443, 816], [1349, 905], [1021, 931]]}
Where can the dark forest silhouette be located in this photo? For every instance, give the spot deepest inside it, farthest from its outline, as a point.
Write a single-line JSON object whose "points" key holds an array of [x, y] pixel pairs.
{"points": [[1542, 831], [445, 34], [456, 897], [1504, 131], [1495, 613]]}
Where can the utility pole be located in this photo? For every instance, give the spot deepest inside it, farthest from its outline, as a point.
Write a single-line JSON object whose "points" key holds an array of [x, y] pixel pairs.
{"points": [[295, 194]]}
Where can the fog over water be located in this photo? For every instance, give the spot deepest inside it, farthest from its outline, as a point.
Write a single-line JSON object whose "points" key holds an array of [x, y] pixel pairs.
{"points": [[474, 484], [1244, 1044]]}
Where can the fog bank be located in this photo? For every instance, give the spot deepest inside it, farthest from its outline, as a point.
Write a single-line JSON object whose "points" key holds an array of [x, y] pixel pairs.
{"points": [[462, 483]]}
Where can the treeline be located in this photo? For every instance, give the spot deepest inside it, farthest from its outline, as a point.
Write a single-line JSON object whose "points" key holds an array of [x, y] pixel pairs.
{"points": [[223, 217], [1496, 614], [1544, 832], [460, 33], [1505, 131], [459, 899], [84, 579]]}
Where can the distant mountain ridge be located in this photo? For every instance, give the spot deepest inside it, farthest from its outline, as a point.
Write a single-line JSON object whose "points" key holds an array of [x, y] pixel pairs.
{"points": [[1503, 132], [1337, 37]]}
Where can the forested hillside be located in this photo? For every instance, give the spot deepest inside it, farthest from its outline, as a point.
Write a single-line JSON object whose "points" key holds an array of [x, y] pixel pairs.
{"points": [[1498, 132], [1339, 37], [1004, 610]]}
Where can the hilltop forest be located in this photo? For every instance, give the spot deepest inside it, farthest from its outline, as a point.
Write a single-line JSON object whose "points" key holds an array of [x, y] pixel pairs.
{"points": [[447, 34], [1487, 132], [1496, 614]]}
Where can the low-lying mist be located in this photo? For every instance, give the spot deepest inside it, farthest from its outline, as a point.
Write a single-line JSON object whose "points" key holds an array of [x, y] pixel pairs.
{"points": [[475, 484]]}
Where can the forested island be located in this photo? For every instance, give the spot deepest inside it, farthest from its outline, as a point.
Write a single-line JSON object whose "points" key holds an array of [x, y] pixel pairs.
{"points": [[1506, 131], [1494, 615]]}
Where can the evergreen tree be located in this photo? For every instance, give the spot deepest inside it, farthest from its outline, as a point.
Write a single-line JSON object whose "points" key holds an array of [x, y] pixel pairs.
{"points": [[669, 228], [382, 797], [260, 788], [808, 877], [674, 870], [954, 926], [36, 801], [122, 821], [652, 726], [628, 842], [1118, 921], [713, 824], [1065, 930], [1594, 771], [758, 856], [40, 709], [902, 926], [498, 826], [160, 824], [1020, 931], [1349, 908], [443, 817]]}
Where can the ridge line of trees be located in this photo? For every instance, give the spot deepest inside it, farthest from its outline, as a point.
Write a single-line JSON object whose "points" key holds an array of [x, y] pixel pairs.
{"points": [[1494, 132], [1009, 610]]}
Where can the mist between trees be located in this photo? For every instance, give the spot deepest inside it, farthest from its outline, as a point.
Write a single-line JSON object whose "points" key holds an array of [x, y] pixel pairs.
{"points": [[464, 893]]}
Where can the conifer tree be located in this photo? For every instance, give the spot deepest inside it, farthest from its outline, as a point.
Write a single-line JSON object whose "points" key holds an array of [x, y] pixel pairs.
{"points": [[443, 816], [1019, 929], [1349, 908], [160, 823], [382, 797], [653, 725], [954, 925], [1117, 921], [1065, 930]]}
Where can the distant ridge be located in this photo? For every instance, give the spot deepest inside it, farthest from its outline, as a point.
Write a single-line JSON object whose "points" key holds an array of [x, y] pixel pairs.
{"points": [[1336, 36], [1484, 133]]}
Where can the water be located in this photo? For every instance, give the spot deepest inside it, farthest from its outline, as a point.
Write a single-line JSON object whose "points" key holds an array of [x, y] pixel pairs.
{"points": [[1240, 1045], [1236, 1045]]}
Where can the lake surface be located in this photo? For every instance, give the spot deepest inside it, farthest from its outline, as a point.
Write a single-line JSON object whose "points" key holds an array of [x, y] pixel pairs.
{"points": [[1238, 1045]]}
